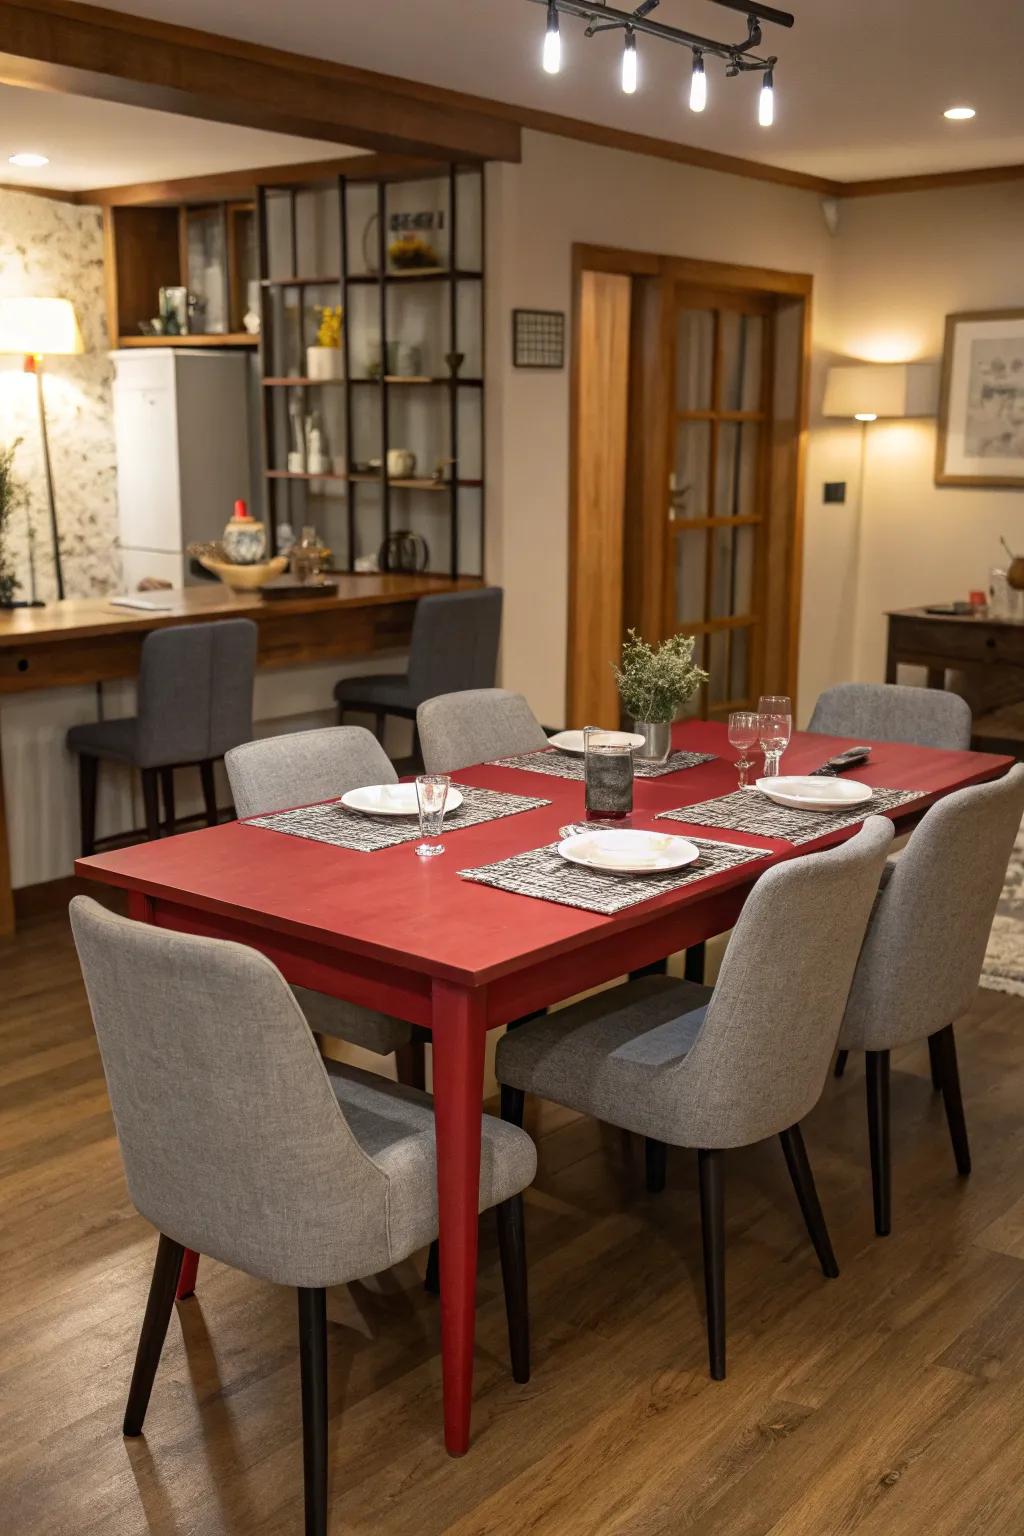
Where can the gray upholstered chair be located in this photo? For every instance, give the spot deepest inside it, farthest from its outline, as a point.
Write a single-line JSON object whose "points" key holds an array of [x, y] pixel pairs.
{"points": [[454, 645], [301, 769], [924, 717], [691, 1067], [194, 704], [240, 1142], [458, 730], [923, 954]]}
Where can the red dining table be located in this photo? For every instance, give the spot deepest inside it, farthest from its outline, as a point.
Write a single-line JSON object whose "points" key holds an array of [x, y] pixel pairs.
{"points": [[407, 936]]}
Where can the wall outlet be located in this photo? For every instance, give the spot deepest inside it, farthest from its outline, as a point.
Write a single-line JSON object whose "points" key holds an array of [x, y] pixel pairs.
{"points": [[834, 491]]}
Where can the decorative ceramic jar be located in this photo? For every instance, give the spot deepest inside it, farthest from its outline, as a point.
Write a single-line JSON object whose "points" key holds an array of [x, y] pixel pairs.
{"points": [[657, 735], [325, 363], [245, 540]]}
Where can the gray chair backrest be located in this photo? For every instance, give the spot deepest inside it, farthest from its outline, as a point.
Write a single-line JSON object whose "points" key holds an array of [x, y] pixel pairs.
{"points": [[762, 1057], [454, 642], [924, 717], [928, 933], [304, 768], [233, 1141], [459, 730], [195, 691]]}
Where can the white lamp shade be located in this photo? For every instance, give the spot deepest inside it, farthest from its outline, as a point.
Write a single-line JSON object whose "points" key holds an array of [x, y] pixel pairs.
{"points": [[868, 390], [39, 327]]}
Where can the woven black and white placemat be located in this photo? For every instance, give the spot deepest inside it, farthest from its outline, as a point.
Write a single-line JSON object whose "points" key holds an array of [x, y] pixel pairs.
{"points": [[747, 810], [542, 872], [561, 765], [334, 823]]}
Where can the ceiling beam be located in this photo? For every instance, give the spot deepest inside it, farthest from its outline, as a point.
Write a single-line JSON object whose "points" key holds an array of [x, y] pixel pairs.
{"points": [[219, 185], [89, 51]]}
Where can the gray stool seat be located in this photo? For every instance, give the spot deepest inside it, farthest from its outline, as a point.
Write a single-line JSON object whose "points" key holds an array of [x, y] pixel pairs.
{"points": [[387, 691], [116, 739], [613, 1055], [453, 646], [394, 1126]]}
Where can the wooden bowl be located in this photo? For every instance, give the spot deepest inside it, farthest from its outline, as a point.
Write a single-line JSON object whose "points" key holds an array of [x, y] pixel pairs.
{"points": [[245, 578], [1015, 575]]}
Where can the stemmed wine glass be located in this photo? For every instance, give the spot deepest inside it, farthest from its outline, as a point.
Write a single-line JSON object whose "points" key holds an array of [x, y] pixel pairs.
{"points": [[744, 728], [775, 717]]}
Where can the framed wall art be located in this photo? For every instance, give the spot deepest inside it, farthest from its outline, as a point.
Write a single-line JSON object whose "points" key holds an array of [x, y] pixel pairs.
{"points": [[981, 408], [538, 338]]}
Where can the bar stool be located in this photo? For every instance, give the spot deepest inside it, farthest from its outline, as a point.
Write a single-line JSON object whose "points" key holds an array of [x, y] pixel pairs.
{"points": [[194, 704], [454, 645]]}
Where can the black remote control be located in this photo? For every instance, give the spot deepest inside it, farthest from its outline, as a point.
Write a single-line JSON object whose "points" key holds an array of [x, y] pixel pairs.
{"points": [[853, 757]]}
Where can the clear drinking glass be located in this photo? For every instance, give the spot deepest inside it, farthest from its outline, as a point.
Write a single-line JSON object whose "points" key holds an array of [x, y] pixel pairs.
{"points": [[431, 794], [608, 775], [744, 731], [775, 727]]}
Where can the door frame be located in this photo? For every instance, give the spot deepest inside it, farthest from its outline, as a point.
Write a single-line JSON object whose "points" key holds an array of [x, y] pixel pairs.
{"points": [[668, 271]]}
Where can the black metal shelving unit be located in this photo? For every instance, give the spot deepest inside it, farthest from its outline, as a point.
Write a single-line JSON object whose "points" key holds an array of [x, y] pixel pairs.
{"points": [[289, 492]]}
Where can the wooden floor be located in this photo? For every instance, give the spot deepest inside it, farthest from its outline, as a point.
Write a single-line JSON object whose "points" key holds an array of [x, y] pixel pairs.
{"points": [[888, 1401]]}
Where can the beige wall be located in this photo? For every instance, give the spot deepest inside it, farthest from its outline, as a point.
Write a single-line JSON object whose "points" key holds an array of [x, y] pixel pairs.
{"points": [[565, 192], [902, 264], [882, 289]]}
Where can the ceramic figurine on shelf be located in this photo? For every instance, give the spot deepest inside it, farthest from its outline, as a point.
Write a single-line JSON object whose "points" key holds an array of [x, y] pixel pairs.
{"points": [[318, 460], [297, 452], [245, 540]]}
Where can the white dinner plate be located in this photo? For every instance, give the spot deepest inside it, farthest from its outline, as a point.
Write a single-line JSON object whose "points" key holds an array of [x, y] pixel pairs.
{"points": [[393, 800], [629, 853], [820, 793], [572, 741]]}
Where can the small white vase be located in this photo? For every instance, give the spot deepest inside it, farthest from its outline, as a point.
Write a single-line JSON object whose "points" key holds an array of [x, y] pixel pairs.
{"points": [[657, 735], [324, 363]]}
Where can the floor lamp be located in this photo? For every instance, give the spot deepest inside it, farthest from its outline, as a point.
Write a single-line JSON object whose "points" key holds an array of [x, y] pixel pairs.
{"points": [[34, 329]]}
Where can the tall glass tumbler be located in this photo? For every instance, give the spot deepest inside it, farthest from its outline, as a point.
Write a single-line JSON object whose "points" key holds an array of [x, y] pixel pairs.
{"points": [[608, 774], [431, 794]]}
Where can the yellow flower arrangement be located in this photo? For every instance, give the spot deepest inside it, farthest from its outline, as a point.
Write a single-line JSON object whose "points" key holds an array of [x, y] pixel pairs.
{"points": [[329, 331]]}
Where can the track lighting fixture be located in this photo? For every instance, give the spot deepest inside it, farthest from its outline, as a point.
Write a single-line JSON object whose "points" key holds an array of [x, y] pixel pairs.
{"points": [[698, 83], [739, 58], [552, 57]]}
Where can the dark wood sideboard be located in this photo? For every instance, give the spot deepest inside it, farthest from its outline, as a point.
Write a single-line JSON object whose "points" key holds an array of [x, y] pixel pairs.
{"points": [[987, 654]]}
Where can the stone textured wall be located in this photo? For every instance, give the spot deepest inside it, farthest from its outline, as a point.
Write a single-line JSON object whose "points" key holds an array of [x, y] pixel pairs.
{"points": [[55, 249]]}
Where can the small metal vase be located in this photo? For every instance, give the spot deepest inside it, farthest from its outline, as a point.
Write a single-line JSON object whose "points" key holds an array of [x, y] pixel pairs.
{"points": [[657, 735]]}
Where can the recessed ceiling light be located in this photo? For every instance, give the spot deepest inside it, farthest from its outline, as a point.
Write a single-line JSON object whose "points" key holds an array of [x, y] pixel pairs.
{"points": [[958, 114], [28, 159]]}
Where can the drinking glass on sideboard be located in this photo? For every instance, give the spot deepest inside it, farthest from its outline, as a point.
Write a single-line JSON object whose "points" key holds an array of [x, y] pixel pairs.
{"points": [[775, 727]]}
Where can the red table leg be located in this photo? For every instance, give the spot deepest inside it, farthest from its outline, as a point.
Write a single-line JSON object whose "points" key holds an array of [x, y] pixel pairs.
{"points": [[459, 1028], [187, 1276]]}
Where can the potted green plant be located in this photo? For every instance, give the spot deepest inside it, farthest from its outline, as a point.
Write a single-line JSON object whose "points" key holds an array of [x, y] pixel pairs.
{"points": [[654, 683], [12, 496], [324, 361]]}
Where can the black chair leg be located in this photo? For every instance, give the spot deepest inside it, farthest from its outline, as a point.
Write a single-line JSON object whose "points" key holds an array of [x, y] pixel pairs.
{"points": [[876, 1074], [209, 784], [693, 964], [711, 1168], [935, 1061], [432, 1278], [656, 968], [949, 1081], [313, 1373], [655, 1165], [513, 1104], [162, 1287], [512, 1246], [380, 721], [151, 801], [803, 1182], [842, 1057], [411, 1064], [167, 785], [88, 775]]}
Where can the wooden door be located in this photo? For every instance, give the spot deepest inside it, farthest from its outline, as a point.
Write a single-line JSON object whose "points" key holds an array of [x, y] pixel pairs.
{"points": [[719, 453]]}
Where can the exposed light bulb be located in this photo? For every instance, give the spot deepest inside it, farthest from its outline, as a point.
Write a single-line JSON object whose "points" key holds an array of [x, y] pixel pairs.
{"points": [[865, 415], [25, 158], [698, 83], [766, 100], [959, 114], [629, 70], [552, 56]]}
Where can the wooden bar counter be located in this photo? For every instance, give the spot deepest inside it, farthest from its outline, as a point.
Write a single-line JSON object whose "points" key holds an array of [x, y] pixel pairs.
{"points": [[87, 640]]}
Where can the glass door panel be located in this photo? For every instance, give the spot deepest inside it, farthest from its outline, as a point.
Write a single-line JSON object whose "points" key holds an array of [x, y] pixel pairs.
{"points": [[736, 469], [695, 359], [692, 471], [690, 575], [742, 343]]}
